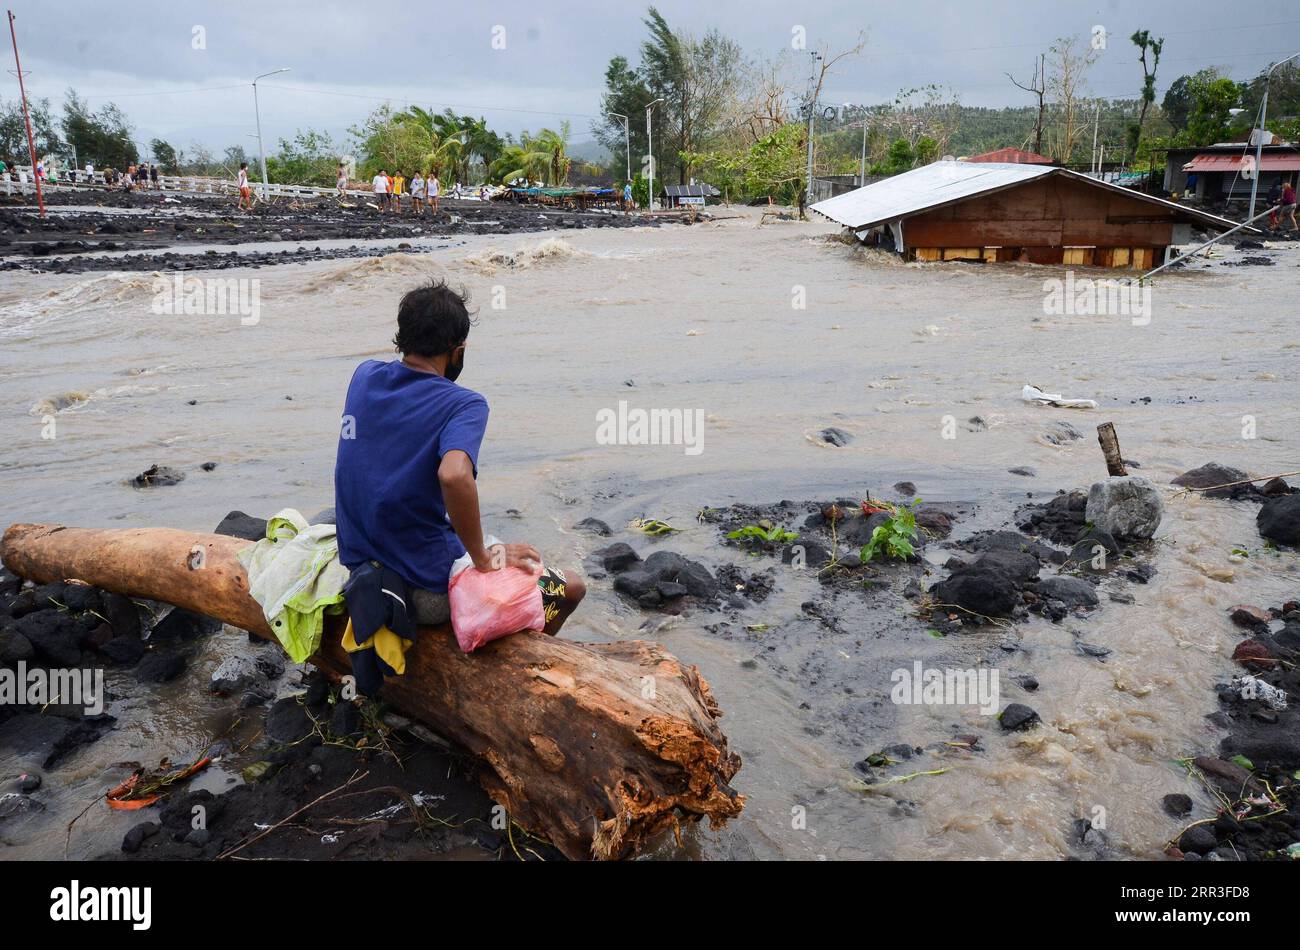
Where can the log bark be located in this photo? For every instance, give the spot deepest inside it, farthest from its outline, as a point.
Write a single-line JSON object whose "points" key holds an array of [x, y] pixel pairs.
{"points": [[1110, 448], [595, 747]]}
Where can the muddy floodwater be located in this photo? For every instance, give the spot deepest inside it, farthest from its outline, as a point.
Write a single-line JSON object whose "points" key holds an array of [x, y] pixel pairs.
{"points": [[773, 333]]}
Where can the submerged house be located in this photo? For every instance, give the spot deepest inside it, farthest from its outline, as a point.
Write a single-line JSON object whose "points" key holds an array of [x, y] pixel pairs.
{"points": [[1038, 214]]}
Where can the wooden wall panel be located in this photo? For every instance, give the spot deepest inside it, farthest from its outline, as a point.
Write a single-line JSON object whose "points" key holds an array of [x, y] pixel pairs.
{"points": [[1052, 213]]}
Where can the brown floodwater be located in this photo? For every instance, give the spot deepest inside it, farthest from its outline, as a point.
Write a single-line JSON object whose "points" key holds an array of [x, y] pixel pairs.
{"points": [[707, 318]]}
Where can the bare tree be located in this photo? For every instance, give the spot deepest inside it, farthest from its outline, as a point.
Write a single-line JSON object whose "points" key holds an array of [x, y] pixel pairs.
{"points": [[825, 63], [930, 112], [1065, 87], [765, 106], [1037, 86]]}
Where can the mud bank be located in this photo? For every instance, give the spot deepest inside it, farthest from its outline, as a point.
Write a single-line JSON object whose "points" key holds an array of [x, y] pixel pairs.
{"points": [[114, 231]]}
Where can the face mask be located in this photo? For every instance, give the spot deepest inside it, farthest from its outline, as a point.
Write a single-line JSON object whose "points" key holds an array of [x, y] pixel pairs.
{"points": [[453, 369]]}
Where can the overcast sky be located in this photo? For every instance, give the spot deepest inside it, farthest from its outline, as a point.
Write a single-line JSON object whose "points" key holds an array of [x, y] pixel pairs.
{"points": [[346, 58]]}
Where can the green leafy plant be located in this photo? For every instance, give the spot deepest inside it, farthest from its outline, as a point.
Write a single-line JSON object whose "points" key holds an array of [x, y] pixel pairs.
{"points": [[896, 537], [764, 531], [652, 526]]}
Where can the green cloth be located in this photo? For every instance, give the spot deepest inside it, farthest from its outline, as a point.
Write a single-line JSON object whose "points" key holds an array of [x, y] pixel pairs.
{"points": [[295, 574]]}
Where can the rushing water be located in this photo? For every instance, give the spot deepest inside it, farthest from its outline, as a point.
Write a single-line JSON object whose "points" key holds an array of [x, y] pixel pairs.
{"points": [[707, 318]]}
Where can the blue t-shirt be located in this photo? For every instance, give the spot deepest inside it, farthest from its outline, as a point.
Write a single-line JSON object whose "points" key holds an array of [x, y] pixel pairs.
{"points": [[397, 425]]}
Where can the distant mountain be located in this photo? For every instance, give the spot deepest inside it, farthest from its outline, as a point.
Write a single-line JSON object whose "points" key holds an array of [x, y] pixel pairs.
{"points": [[589, 150]]}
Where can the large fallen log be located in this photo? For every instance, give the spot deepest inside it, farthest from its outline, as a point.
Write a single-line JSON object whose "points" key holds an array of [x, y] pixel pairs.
{"points": [[596, 747]]}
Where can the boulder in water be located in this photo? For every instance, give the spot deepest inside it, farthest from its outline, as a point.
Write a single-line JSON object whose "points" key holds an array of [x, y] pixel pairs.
{"points": [[1279, 520], [981, 590], [1071, 591], [1125, 506], [1212, 474], [1018, 716], [157, 475]]}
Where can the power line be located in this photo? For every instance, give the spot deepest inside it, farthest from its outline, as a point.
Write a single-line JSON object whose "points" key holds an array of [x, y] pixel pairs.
{"points": [[167, 92], [426, 101], [1042, 45]]}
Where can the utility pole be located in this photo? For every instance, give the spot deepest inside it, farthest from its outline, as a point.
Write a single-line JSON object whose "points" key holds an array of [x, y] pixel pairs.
{"points": [[627, 143], [1095, 123], [812, 114], [1259, 137], [27, 119], [257, 112], [650, 151]]}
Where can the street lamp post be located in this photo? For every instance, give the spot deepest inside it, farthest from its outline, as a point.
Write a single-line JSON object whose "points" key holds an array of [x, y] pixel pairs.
{"points": [[862, 173], [257, 112], [627, 143], [649, 141], [1259, 138]]}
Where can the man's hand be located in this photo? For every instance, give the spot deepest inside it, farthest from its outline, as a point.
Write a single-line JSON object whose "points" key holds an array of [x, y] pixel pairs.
{"points": [[524, 556]]}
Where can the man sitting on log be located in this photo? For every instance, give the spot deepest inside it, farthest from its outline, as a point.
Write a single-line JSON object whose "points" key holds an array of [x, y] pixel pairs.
{"points": [[404, 480]]}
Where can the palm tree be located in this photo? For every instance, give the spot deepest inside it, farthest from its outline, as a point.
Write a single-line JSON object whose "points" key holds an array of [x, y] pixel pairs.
{"points": [[444, 155], [542, 157], [520, 161], [481, 144], [556, 146]]}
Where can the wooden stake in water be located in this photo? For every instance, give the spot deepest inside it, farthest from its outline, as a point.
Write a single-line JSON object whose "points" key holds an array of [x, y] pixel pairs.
{"points": [[1110, 448]]}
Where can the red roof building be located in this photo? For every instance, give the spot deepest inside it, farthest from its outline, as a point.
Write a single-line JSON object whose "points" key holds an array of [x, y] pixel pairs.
{"points": [[1013, 156]]}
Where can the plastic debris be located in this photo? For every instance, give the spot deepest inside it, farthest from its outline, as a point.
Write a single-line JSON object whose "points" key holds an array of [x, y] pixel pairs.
{"points": [[1036, 395]]}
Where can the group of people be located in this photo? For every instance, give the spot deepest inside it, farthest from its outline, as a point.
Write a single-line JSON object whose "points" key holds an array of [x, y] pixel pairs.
{"points": [[1281, 205], [389, 189], [142, 175]]}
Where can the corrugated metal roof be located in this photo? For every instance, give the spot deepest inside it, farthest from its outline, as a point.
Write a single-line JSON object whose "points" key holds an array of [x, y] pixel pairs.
{"points": [[944, 183], [922, 189], [1233, 163]]}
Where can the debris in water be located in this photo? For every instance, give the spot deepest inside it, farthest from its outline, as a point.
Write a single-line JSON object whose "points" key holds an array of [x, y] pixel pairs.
{"points": [[1034, 394]]}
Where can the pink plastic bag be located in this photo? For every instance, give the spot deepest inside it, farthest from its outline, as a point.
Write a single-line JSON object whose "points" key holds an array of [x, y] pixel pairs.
{"points": [[489, 605]]}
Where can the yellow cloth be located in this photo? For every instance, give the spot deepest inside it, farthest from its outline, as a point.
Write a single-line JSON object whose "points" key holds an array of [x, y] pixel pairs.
{"points": [[387, 645]]}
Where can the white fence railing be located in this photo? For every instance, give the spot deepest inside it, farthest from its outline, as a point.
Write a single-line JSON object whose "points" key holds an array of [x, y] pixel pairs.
{"points": [[192, 184]]}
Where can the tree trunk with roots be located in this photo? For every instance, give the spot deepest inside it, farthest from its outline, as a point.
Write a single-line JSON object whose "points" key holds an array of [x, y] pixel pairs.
{"points": [[595, 747]]}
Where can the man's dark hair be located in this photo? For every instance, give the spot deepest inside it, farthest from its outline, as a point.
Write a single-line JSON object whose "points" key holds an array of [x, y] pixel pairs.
{"points": [[432, 320]]}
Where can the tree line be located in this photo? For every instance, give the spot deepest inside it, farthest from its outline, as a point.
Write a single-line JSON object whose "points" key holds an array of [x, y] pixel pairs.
{"points": [[735, 120]]}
